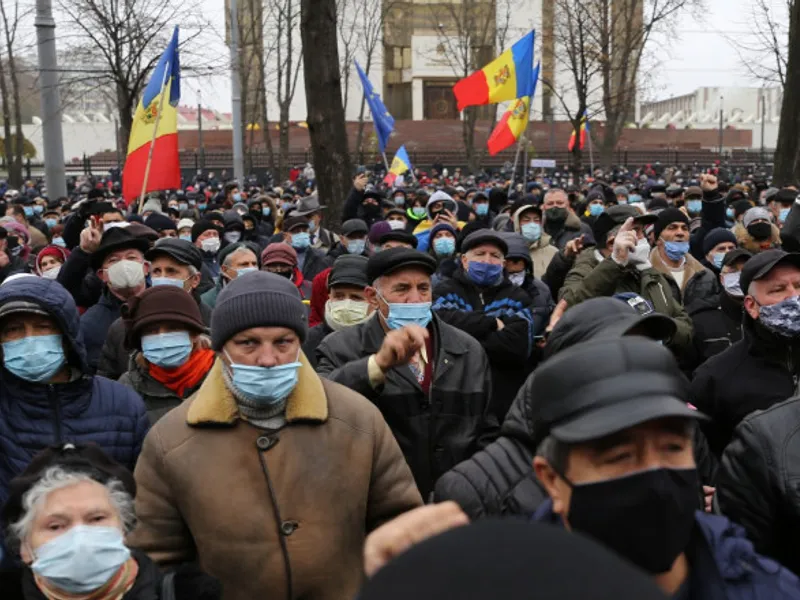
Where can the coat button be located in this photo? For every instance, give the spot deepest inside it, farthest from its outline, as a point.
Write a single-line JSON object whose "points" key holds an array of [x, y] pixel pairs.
{"points": [[289, 527], [264, 442]]}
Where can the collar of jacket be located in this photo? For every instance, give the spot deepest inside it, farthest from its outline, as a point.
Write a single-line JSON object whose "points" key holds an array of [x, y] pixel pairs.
{"points": [[213, 404], [691, 266], [749, 243], [542, 242], [762, 342], [573, 221], [374, 334]]}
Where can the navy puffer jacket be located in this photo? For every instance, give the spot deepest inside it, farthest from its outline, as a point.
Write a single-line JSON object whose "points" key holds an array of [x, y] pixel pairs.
{"points": [[87, 409]]}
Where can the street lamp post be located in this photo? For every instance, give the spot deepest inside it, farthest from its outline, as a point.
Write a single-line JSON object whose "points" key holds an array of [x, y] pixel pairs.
{"points": [[721, 99]]}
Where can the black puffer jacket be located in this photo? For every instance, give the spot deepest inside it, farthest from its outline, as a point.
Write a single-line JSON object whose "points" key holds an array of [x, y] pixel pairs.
{"points": [[499, 480], [437, 430], [757, 482], [314, 338], [758, 371], [716, 319], [475, 310]]}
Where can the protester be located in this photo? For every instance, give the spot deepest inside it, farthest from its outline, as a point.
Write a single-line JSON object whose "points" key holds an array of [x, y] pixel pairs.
{"points": [[310, 208], [235, 259], [347, 303], [262, 209], [206, 237], [50, 260], [759, 370], [560, 221], [443, 249], [281, 259], [310, 261], [352, 240], [171, 355], [440, 208], [480, 300], [519, 269], [68, 513], [47, 392], [430, 380], [383, 237], [528, 223], [716, 245], [757, 232], [163, 225], [261, 410]]}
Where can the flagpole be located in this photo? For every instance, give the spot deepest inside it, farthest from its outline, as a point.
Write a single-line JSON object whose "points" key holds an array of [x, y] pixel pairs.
{"points": [[167, 72], [516, 161], [385, 162], [591, 150]]}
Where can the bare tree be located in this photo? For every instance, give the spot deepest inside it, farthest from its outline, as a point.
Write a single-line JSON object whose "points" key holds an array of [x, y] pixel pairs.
{"points": [[347, 26], [787, 158], [120, 41], [324, 102], [283, 19], [13, 151], [764, 52]]}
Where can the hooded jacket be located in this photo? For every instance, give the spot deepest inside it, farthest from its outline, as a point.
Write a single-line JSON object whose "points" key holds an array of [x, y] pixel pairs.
{"points": [[85, 409], [749, 243], [96, 323], [542, 251], [572, 228]]}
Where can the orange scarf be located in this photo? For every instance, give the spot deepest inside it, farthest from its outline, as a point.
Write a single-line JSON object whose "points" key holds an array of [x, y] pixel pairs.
{"points": [[188, 375], [114, 589]]}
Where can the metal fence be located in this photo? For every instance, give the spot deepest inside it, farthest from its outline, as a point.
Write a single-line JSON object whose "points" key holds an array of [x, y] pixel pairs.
{"points": [[257, 163]]}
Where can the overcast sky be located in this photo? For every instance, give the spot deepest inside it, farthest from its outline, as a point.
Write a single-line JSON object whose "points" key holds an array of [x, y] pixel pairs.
{"points": [[699, 53]]}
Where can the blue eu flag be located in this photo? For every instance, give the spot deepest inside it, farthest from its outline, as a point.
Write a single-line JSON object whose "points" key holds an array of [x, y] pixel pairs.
{"points": [[384, 122]]}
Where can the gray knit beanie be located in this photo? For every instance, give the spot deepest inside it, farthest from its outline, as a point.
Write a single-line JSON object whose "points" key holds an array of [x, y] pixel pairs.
{"points": [[258, 299]]}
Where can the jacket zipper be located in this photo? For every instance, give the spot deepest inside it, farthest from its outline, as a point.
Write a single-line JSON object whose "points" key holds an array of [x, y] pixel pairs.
{"points": [[54, 400]]}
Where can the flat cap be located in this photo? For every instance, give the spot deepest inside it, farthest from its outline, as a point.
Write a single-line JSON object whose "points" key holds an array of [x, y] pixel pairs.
{"points": [[394, 259], [180, 250], [484, 236]]}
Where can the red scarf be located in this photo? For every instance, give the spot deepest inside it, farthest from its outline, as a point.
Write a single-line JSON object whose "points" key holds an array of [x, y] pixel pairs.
{"points": [[188, 375]]}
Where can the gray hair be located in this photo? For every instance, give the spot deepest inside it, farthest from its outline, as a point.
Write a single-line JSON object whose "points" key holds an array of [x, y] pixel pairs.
{"points": [[239, 250], [554, 452], [192, 270], [56, 478], [553, 191]]}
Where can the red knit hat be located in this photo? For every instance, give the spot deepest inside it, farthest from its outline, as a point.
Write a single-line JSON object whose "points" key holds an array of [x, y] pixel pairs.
{"points": [[57, 252], [279, 253]]}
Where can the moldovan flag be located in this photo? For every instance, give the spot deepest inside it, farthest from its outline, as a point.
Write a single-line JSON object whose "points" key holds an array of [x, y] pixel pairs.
{"points": [[400, 164], [514, 121], [149, 128], [584, 129], [507, 77]]}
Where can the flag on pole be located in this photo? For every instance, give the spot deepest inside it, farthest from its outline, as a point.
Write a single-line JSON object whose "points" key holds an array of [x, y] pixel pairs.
{"points": [[514, 120], [383, 121], [400, 164], [507, 77], [155, 124], [583, 132]]}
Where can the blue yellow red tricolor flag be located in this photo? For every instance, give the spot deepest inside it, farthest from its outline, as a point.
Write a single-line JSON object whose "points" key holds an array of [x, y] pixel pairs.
{"points": [[514, 120], [155, 125], [584, 131], [507, 77], [400, 164]]}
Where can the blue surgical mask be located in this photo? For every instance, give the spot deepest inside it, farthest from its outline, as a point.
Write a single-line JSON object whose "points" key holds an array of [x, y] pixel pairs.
{"points": [[730, 213], [634, 198], [266, 386], [168, 350], [596, 209], [484, 273], [418, 211], [482, 209], [245, 271], [399, 200], [784, 214], [28, 211], [356, 246], [782, 318], [35, 358], [237, 197], [286, 206], [38, 209], [83, 559], [676, 250], [444, 246], [202, 206], [531, 231], [51, 222], [59, 241], [718, 258], [156, 281], [312, 226], [411, 313], [183, 206], [301, 241], [266, 211], [186, 236], [694, 206]]}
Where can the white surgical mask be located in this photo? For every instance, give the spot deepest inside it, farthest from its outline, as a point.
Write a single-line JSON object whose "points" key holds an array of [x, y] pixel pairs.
{"points": [[114, 224], [232, 236], [125, 274], [51, 273], [517, 278], [210, 244], [396, 224]]}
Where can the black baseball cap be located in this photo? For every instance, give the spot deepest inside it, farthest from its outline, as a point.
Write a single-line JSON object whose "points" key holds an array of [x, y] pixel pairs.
{"points": [[349, 269], [388, 261], [352, 226], [762, 263], [601, 387], [181, 251], [734, 255]]}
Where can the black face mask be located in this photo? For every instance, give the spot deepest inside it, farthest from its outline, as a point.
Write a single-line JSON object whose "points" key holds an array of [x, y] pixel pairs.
{"points": [[646, 517], [555, 216], [760, 231]]}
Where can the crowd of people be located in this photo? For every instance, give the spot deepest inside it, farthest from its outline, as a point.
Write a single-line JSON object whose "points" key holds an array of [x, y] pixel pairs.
{"points": [[225, 392]]}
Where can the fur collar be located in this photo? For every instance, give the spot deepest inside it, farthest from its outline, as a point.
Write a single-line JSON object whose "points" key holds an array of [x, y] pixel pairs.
{"points": [[213, 404], [746, 241], [692, 266]]}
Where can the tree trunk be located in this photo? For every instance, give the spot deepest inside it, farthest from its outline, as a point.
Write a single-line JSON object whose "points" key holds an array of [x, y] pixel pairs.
{"points": [[14, 174], [326, 123], [468, 134], [19, 138], [787, 147], [360, 136], [125, 113], [283, 142]]}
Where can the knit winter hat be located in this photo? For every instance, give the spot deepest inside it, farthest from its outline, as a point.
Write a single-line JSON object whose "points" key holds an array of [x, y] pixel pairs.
{"points": [[279, 252], [160, 304], [202, 226], [257, 299], [667, 216], [717, 236]]}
